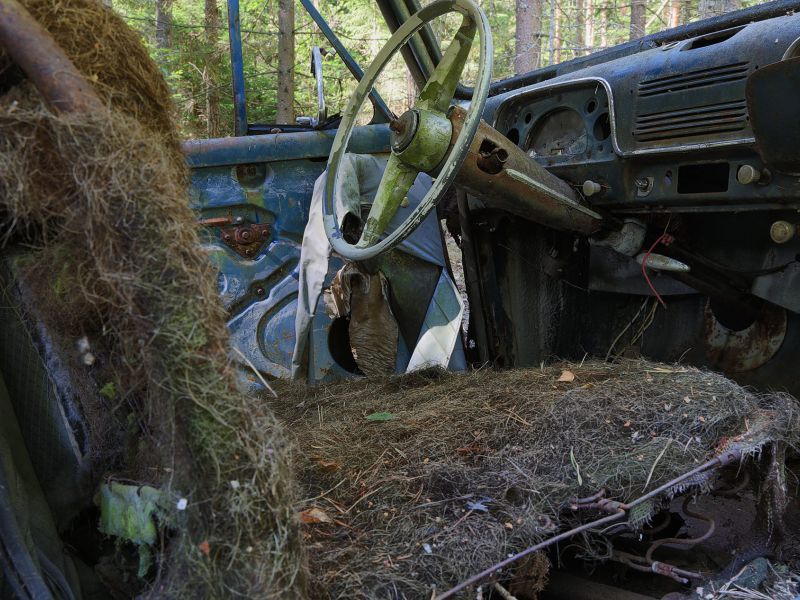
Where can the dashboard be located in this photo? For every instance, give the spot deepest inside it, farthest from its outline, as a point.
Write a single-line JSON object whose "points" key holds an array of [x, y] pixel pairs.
{"points": [[662, 130]]}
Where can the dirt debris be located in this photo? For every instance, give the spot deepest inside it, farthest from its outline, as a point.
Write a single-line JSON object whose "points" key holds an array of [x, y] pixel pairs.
{"points": [[428, 478], [99, 206]]}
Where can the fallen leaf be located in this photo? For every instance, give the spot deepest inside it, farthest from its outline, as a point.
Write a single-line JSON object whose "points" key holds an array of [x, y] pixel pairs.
{"points": [[508, 525], [626, 424], [204, 547], [567, 376], [329, 465], [380, 416], [315, 515]]}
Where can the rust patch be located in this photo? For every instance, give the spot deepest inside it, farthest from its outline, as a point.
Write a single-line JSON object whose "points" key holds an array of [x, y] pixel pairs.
{"points": [[748, 349], [247, 240]]}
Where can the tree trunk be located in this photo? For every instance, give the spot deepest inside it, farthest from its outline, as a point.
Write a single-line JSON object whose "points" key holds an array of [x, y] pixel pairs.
{"points": [[528, 36], [604, 24], [556, 16], [588, 40], [637, 19], [163, 23], [212, 69], [285, 113], [674, 13], [580, 27]]}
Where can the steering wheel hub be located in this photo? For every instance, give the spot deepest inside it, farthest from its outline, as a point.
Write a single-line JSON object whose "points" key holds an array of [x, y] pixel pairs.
{"points": [[421, 139]]}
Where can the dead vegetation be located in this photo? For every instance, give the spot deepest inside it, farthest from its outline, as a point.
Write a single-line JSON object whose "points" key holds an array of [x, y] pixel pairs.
{"points": [[409, 482], [100, 205], [414, 483]]}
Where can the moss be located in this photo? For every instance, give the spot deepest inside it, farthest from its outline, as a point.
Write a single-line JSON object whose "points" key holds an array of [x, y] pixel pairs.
{"points": [[102, 200]]}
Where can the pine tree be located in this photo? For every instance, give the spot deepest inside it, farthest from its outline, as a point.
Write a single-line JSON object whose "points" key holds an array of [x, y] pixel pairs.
{"points": [[285, 112]]}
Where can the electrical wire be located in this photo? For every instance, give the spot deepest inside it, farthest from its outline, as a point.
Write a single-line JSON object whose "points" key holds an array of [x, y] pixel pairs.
{"points": [[665, 239]]}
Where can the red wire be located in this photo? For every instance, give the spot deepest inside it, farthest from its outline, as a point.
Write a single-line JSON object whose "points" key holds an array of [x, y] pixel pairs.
{"points": [[666, 239]]}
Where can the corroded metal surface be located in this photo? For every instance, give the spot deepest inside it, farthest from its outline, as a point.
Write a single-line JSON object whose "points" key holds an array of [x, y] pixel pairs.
{"points": [[281, 147], [506, 177], [44, 62], [247, 240], [748, 349]]}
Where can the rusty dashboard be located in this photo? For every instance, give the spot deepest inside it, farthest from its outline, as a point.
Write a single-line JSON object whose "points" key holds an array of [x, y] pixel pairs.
{"points": [[693, 140], [668, 127]]}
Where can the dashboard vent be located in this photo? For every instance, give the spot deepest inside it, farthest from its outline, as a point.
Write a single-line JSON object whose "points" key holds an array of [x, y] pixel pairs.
{"points": [[689, 122], [693, 79]]}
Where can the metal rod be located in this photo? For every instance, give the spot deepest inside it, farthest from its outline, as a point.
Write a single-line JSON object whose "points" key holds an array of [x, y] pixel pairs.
{"points": [[549, 542], [620, 510], [721, 461], [237, 69], [683, 541], [382, 113], [34, 50]]}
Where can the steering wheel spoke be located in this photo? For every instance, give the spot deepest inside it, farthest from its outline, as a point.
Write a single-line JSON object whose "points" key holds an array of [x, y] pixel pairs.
{"points": [[441, 86], [397, 180], [421, 138]]}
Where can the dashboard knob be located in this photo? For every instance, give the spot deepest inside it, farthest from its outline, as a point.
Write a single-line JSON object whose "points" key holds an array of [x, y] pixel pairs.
{"points": [[747, 174], [590, 188], [781, 232]]}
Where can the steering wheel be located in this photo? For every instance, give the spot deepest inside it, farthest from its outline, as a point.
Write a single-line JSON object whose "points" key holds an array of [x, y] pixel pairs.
{"points": [[420, 138]]}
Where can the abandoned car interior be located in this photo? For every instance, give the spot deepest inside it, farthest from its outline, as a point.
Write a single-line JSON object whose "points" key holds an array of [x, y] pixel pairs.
{"points": [[533, 338]]}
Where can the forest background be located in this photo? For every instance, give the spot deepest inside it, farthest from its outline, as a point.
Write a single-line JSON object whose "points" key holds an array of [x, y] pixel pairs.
{"points": [[189, 41]]}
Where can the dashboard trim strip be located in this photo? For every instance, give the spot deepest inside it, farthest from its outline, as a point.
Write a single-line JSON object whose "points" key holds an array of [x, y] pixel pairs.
{"points": [[549, 86]]}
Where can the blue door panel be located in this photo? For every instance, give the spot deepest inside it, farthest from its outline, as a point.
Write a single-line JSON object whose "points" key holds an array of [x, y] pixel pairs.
{"points": [[266, 181]]}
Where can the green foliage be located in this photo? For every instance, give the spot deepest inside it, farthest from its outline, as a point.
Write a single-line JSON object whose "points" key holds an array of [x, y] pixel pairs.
{"points": [[189, 67], [380, 416], [129, 512]]}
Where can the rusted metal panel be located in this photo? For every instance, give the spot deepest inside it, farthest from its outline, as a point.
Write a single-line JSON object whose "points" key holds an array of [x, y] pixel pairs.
{"points": [[32, 48], [370, 139], [746, 349], [519, 185], [247, 240]]}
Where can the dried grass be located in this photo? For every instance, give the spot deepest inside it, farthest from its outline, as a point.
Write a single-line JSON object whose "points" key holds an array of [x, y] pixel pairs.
{"points": [[101, 203], [520, 443]]}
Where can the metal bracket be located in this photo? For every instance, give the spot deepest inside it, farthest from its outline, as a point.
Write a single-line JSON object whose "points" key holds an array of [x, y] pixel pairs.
{"points": [[247, 240]]}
